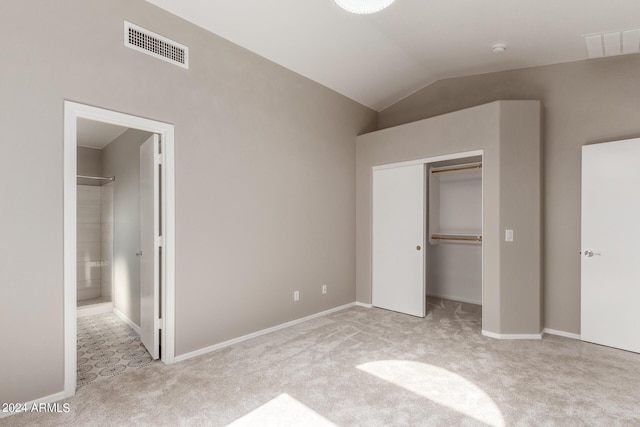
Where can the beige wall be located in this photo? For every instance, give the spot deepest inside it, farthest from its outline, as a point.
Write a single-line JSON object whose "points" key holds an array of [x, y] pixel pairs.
{"points": [[89, 164], [508, 132], [521, 211], [264, 163], [584, 102], [122, 160]]}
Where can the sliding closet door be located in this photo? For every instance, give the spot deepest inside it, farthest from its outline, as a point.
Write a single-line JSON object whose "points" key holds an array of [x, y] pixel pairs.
{"points": [[610, 236], [398, 237]]}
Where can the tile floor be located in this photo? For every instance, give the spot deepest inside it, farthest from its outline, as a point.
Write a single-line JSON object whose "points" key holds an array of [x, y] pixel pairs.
{"points": [[107, 347], [92, 301]]}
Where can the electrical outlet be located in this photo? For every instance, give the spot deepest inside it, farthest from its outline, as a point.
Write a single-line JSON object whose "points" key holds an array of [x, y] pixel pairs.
{"points": [[324, 289], [296, 295]]}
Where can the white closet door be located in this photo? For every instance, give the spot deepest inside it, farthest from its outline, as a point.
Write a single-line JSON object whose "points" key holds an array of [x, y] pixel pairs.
{"points": [[610, 236], [149, 245], [398, 239]]}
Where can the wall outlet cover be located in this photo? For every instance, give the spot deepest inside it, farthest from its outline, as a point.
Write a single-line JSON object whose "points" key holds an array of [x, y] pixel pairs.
{"points": [[508, 236]]}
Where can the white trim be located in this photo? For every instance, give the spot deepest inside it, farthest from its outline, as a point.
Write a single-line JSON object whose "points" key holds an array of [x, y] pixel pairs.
{"points": [[73, 111], [233, 341], [47, 399], [69, 245], [168, 291], [128, 321], [362, 304], [430, 159], [93, 309], [512, 336], [561, 333]]}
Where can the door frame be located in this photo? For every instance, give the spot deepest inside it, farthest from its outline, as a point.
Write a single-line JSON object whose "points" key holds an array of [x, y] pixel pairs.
{"points": [[425, 162], [149, 245], [73, 111]]}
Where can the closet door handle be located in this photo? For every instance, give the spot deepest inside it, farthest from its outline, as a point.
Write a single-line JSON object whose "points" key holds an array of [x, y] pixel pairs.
{"points": [[418, 248]]}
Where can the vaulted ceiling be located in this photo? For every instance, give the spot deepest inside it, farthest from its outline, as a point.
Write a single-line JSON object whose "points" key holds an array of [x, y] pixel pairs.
{"points": [[381, 58]]}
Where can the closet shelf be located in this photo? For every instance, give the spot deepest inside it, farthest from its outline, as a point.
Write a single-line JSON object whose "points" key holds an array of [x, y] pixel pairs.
{"points": [[459, 237]]}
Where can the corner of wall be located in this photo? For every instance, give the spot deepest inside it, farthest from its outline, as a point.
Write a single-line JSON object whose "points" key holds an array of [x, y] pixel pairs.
{"points": [[520, 211]]}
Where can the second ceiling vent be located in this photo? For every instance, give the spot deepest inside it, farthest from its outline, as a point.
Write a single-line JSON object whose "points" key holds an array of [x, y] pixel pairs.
{"points": [[614, 43]]}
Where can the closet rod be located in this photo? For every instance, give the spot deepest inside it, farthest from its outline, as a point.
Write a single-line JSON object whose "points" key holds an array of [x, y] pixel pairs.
{"points": [[108, 178], [469, 238], [458, 168]]}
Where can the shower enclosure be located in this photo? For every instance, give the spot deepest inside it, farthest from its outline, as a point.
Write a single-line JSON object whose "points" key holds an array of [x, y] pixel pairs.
{"points": [[94, 240]]}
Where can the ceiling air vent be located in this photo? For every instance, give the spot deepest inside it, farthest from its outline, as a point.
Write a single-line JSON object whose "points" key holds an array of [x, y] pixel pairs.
{"points": [[153, 44], [614, 43]]}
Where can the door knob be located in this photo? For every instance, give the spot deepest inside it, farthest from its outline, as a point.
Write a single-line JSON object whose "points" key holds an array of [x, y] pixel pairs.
{"points": [[139, 253], [418, 248], [589, 253]]}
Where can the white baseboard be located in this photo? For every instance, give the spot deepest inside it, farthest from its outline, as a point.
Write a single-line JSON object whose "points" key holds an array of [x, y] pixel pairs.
{"points": [[127, 320], [561, 333], [28, 405], [512, 336], [90, 310], [231, 342], [362, 304]]}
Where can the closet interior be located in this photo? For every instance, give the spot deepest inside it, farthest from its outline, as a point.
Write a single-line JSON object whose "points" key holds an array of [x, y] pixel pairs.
{"points": [[454, 230]]}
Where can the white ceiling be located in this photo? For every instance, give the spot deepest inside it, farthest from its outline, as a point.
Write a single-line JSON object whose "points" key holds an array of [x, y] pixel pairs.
{"points": [[92, 134], [381, 58]]}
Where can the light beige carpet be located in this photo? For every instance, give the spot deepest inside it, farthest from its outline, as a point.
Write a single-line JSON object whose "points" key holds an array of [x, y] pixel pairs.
{"points": [[372, 367]]}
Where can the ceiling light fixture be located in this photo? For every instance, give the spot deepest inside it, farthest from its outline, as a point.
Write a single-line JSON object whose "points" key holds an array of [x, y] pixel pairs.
{"points": [[363, 7]]}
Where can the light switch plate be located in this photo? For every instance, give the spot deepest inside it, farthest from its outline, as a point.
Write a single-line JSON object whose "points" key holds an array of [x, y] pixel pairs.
{"points": [[508, 236]]}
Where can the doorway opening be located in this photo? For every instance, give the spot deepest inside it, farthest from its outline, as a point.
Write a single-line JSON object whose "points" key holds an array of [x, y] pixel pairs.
{"points": [[427, 221], [118, 222], [453, 268]]}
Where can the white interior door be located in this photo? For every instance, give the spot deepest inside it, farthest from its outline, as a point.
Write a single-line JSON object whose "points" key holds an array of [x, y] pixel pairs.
{"points": [[150, 246], [398, 237], [610, 233]]}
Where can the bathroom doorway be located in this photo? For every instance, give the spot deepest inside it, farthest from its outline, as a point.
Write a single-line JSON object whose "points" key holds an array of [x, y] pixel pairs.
{"points": [[102, 246], [109, 251]]}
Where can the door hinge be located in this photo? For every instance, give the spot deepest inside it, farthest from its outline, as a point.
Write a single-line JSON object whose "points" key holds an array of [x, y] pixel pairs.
{"points": [[160, 241], [160, 323], [158, 159]]}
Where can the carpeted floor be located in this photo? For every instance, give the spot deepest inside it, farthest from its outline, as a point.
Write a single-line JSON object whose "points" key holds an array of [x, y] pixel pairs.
{"points": [[371, 367]]}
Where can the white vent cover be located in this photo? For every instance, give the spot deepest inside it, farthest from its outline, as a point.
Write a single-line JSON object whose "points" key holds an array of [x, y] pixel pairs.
{"points": [[614, 43], [153, 44]]}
